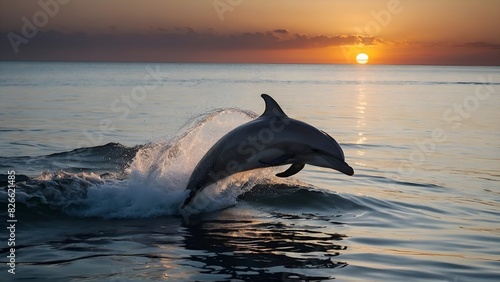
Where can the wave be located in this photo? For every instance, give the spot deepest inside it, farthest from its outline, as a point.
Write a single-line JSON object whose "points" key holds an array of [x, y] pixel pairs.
{"points": [[292, 193], [99, 159], [115, 181]]}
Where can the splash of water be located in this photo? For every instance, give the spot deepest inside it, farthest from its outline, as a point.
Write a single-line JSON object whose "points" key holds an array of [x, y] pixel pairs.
{"points": [[155, 181]]}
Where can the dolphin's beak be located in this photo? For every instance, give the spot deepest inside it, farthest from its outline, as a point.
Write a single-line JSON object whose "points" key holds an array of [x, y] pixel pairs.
{"points": [[340, 165]]}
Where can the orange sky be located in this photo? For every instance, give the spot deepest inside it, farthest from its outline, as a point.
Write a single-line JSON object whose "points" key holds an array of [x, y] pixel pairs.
{"points": [[450, 32]]}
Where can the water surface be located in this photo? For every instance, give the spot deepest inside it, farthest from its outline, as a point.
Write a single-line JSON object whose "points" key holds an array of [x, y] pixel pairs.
{"points": [[103, 151]]}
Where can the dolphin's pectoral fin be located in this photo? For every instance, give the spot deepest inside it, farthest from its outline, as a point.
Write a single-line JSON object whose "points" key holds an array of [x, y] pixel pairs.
{"points": [[278, 161], [293, 169]]}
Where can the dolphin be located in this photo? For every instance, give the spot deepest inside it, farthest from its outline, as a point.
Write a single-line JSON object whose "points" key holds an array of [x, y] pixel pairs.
{"points": [[273, 139]]}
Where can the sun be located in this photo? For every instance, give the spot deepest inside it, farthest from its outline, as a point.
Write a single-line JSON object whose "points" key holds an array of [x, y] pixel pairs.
{"points": [[362, 58]]}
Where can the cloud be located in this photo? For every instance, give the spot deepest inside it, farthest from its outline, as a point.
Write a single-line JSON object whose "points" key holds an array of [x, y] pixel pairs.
{"points": [[282, 31], [185, 44], [183, 39], [480, 44], [473, 44]]}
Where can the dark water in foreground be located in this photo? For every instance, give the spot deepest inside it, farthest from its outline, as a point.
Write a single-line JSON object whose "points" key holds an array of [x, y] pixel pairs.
{"points": [[101, 174]]}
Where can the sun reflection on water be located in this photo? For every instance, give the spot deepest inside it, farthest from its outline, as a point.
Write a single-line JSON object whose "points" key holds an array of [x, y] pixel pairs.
{"points": [[361, 105]]}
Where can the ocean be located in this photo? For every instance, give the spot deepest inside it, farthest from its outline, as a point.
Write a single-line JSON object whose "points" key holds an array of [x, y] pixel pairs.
{"points": [[99, 155]]}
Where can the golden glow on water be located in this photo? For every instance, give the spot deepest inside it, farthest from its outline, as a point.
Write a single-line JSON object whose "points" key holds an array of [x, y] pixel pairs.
{"points": [[360, 110], [360, 114]]}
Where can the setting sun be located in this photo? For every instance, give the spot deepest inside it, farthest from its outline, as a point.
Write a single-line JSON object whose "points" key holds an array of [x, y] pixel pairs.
{"points": [[362, 58]]}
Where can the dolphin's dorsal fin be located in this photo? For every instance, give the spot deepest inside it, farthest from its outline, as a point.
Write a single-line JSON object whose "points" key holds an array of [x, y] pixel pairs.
{"points": [[272, 107]]}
